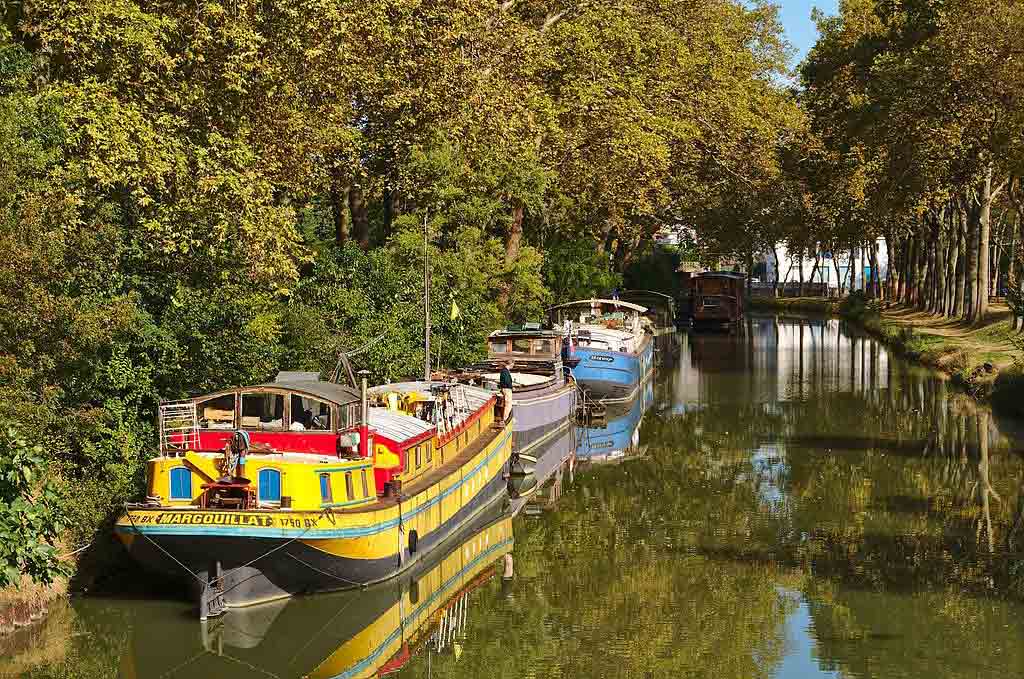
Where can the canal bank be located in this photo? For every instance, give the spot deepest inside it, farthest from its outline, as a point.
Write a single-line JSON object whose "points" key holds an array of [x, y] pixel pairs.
{"points": [[981, 359]]}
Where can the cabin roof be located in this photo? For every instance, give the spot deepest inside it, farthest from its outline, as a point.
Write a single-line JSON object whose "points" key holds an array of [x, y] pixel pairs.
{"points": [[475, 396], [398, 427], [590, 302], [516, 331], [327, 391], [645, 293], [721, 274]]}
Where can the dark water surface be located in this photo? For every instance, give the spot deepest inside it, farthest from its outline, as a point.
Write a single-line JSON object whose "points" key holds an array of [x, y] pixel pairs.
{"points": [[784, 501]]}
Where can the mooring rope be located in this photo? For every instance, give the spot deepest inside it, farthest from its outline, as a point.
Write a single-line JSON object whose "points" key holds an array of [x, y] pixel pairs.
{"points": [[220, 579], [156, 544], [330, 575]]}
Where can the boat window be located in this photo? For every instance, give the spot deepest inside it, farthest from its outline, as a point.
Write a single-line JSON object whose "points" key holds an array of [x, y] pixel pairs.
{"points": [[348, 415], [430, 451], [543, 346], [325, 487], [309, 414], [521, 346], [419, 459], [217, 412], [405, 460], [349, 490], [262, 411], [270, 485], [366, 486], [499, 346], [181, 483]]}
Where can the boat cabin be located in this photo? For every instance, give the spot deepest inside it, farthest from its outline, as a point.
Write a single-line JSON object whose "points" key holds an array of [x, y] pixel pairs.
{"points": [[603, 324], [525, 343], [303, 443], [418, 426], [298, 413], [717, 297]]}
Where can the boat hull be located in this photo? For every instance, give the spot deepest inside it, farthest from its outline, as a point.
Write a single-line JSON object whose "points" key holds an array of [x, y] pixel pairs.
{"points": [[266, 555], [613, 374], [354, 634], [540, 417]]}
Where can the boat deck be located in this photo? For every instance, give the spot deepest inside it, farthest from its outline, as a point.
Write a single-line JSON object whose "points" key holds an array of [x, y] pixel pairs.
{"points": [[468, 453]]}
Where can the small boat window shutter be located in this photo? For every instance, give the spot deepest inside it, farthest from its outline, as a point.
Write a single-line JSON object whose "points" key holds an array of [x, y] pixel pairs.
{"points": [[349, 491], [325, 487], [366, 487], [270, 485], [181, 484]]}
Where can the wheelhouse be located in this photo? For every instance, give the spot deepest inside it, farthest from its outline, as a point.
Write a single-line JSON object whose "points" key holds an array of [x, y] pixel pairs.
{"points": [[529, 342], [298, 413]]}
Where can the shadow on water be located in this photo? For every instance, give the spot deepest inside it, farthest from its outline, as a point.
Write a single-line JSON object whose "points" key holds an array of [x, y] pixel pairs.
{"points": [[787, 500]]}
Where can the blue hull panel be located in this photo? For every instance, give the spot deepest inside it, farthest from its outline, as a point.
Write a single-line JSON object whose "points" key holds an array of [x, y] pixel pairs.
{"points": [[612, 374]]}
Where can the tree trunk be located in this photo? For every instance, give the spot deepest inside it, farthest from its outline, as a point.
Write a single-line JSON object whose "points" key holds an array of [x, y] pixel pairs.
{"points": [[971, 270], [817, 263], [853, 269], [924, 273], [775, 256], [839, 277], [339, 194], [984, 227], [909, 266], [360, 217], [392, 210], [960, 282], [514, 238], [876, 275], [897, 255], [801, 260]]}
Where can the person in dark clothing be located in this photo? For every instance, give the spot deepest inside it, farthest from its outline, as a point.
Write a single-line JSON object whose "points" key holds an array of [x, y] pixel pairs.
{"points": [[505, 385]]}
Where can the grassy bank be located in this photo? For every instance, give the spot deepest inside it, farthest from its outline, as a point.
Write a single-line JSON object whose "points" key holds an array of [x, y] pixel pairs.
{"points": [[983, 358], [26, 603], [804, 304]]}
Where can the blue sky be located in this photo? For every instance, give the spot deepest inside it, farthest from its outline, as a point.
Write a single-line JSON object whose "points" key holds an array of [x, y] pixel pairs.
{"points": [[796, 18]]}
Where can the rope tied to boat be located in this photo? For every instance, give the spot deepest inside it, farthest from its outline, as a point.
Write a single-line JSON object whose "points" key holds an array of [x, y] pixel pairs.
{"points": [[225, 574]]}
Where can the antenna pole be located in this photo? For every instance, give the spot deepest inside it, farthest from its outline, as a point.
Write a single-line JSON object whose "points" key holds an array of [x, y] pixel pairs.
{"points": [[426, 306]]}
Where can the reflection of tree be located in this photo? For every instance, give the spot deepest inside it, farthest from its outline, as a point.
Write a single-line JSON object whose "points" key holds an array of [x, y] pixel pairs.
{"points": [[899, 490], [607, 587], [942, 635]]}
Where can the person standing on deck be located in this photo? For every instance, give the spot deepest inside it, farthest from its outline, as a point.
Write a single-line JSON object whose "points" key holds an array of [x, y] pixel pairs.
{"points": [[505, 385]]}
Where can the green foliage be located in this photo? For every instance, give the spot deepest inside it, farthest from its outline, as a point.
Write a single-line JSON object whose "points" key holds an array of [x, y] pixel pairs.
{"points": [[30, 523], [198, 196], [576, 270], [656, 270]]}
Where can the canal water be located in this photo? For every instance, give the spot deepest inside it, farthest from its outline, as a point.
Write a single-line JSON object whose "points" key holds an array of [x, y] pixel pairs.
{"points": [[786, 500]]}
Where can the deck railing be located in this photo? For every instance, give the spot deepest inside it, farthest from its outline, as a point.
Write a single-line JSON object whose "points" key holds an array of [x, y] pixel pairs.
{"points": [[179, 427]]}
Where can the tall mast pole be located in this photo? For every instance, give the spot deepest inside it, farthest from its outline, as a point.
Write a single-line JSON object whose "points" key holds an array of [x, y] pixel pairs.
{"points": [[426, 306]]}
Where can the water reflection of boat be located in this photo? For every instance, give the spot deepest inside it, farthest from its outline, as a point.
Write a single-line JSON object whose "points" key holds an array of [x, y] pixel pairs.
{"points": [[552, 458], [617, 434], [353, 634]]}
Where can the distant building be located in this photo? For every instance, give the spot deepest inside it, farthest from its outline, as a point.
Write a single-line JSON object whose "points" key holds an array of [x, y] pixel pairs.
{"points": [[791, 266]]}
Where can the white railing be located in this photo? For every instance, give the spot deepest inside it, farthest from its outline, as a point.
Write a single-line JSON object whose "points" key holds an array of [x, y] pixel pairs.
{"points": [[179, 427]]}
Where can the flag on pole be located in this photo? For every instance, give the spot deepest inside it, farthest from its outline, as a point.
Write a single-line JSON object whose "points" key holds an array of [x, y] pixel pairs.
{"points": [[455, 311]]}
